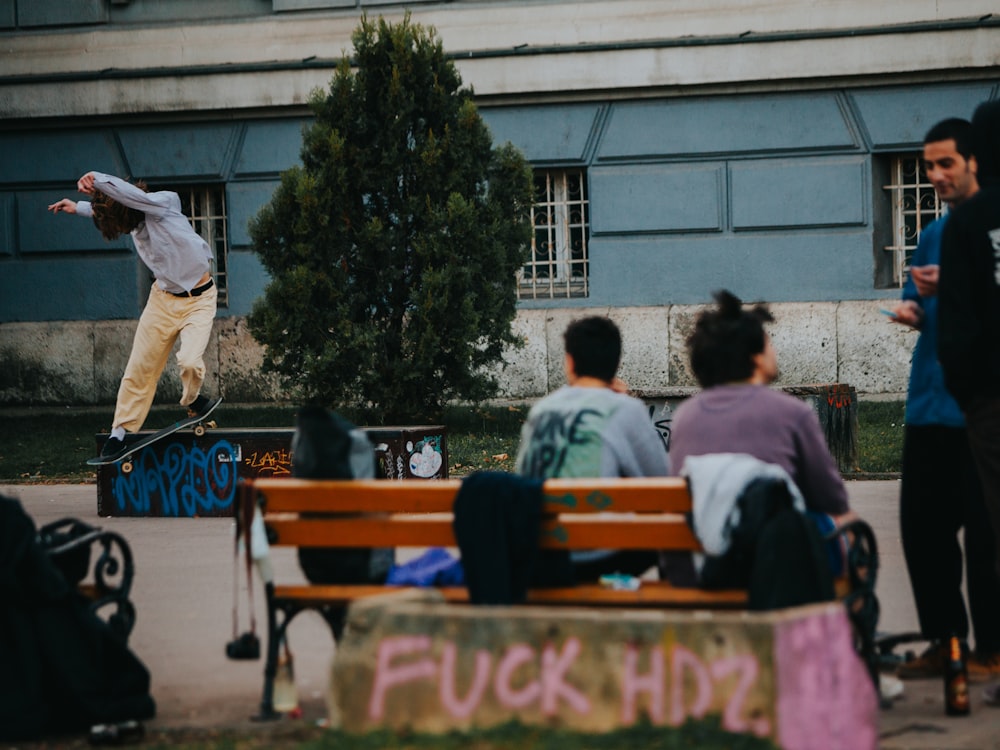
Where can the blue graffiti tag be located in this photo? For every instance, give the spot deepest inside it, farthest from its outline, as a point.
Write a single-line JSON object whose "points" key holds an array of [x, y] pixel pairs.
{"points": [[187, 481]]}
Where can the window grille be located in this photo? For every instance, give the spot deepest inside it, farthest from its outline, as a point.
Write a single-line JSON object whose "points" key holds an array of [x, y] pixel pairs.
{"points": [[914, 206], [205, 207], [558, 266]]}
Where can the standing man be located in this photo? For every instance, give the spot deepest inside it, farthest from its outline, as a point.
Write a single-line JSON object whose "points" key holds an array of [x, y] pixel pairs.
{"points": [[931, 511], [591, 428], [181, 303], [969, 314]]}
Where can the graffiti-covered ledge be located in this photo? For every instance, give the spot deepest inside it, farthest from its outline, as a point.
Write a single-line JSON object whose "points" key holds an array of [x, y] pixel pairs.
{"points": [[186, 475]]}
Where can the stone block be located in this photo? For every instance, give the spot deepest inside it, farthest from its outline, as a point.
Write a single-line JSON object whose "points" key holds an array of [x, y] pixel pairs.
{"points": [[556, 321], [645, 345], [874, 353], [524, 371], [790, 675], [112, 344], [241, 358], [50, 364], [680, 326], [804, 336]]}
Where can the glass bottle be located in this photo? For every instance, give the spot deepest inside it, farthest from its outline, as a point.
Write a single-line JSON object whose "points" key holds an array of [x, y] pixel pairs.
{"points": [[286, 696], [956, 680]]}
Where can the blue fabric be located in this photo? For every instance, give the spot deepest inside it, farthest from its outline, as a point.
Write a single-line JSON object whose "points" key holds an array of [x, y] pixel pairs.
{"points": [[927, 400], [835, 548], [436, 567]]}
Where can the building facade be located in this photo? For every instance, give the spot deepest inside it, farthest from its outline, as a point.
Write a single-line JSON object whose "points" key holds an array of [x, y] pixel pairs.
{"points": [[679, 146]]}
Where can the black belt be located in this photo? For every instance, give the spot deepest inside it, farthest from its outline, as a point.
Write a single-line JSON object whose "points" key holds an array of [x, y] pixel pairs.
{"points": [[196, 292]]}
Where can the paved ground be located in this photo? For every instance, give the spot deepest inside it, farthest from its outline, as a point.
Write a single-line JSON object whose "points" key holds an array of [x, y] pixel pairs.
{"points": [[183, 594]]}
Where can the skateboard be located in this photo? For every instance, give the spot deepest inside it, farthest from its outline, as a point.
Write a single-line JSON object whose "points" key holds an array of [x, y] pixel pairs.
{"points": [[200, 425]]}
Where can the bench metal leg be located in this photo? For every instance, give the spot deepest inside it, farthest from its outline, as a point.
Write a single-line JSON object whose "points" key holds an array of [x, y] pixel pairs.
{"points": [[267, 712], [335, 617]]}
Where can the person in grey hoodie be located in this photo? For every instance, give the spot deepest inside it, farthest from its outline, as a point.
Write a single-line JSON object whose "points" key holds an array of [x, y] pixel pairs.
{"points": [[591, 428]]}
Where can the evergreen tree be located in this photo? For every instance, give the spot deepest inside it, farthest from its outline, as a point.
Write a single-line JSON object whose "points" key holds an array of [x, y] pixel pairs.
{"points": [[393, 248]]}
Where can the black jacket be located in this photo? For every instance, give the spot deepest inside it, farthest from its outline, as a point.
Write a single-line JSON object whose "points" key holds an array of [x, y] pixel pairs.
{"points": [[969, 285], [62, 669]]}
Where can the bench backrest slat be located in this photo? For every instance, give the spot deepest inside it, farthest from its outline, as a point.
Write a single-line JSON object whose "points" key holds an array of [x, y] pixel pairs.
{"points": [[637, 495], [433, 530]]}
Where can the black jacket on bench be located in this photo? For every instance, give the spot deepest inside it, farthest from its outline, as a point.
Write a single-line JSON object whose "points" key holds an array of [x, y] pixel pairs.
{"points": [[62, 668], [497, 523]]}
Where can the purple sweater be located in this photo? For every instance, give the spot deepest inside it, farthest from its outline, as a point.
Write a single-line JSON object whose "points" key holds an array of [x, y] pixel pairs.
{"points": [[768, 425]]}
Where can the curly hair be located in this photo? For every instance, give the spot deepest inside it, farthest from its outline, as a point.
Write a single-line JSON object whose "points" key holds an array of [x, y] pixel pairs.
{"points": [[114, 219], [725, 340]]}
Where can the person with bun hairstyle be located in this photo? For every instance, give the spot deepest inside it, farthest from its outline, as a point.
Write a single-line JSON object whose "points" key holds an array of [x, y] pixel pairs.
{"points": [[734, 361]]}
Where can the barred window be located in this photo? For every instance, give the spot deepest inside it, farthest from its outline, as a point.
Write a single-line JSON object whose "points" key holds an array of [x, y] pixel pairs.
{"points": [[205, 207], [914, 206], [558, 266]]}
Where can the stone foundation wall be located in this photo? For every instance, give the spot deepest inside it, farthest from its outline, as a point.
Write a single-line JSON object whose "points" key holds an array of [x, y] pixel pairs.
{"points": [[74, 363]]}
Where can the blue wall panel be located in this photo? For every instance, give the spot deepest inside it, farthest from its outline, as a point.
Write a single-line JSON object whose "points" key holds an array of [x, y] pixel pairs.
{"points": [[60, 157], [799, 193], [270, 147], [60, 12], [554, 134], [42, 232], [7, 245], [898, 118], [244, 200], [69, 289], [247, 279], [6, 14], [719, 125], [768, 194], [656, 198], [188, 152], [778, 268]]}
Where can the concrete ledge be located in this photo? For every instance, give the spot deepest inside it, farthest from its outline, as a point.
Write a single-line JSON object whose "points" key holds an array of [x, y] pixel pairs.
{"points": [[184, 475], [408, 662]]}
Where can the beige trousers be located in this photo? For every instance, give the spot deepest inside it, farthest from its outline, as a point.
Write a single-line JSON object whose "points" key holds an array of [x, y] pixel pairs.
{"points": [[165, 319]]}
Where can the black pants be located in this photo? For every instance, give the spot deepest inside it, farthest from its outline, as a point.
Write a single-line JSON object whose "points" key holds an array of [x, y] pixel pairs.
{"points": [[983, 419], [941, 494]]}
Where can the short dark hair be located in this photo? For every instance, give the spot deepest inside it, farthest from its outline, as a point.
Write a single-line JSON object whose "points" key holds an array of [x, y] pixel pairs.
{"points": [[595, 344], [113, 218], [953, 129], [725, 340], [986, 141]]}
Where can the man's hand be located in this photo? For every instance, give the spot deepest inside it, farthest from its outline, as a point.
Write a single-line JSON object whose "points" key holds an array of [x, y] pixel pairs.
{"points": [[907, 312], [925, 278], [86, 184], [65, 205]]}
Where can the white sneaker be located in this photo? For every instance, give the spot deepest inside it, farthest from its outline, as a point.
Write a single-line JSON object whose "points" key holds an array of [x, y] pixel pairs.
{"points": [[889, 687]]}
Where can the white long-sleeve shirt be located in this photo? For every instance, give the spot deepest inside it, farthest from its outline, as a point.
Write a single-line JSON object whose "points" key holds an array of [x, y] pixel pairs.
{"points": [[165, 241]]}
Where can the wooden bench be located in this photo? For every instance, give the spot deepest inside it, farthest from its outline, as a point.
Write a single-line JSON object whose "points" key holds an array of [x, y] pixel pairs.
{"points": [[624, 514], [104, 580]]}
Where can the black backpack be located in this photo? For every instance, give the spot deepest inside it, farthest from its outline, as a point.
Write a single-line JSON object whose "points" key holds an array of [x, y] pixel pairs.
{"points": [[327, 446]]}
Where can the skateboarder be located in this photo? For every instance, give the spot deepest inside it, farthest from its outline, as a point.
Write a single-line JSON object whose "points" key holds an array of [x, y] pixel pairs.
{"points": [[182, 300]]}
